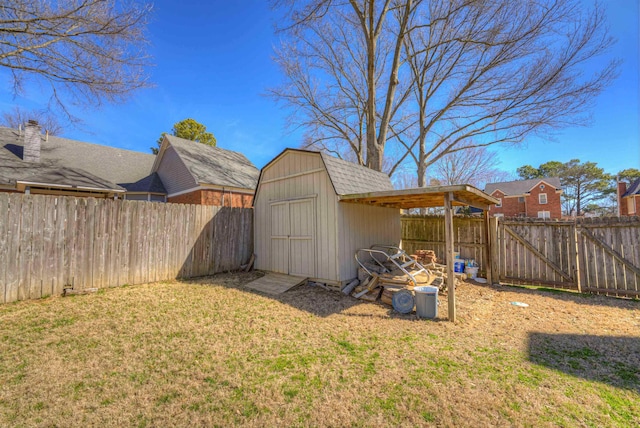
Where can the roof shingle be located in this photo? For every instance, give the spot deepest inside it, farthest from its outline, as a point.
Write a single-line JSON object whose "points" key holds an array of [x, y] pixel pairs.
{"points": [[348, 177], [51, 174], [108, 163]]}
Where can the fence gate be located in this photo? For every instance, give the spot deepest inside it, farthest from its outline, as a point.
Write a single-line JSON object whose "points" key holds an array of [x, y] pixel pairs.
{"points": [[542, 253], [610, 255]]}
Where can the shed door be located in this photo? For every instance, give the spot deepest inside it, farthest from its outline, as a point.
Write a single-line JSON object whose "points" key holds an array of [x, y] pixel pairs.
{"points": [[292, 237]]}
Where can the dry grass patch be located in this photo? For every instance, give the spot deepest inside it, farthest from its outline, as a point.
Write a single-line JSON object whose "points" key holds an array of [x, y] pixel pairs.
{"points": [[211, 353]]}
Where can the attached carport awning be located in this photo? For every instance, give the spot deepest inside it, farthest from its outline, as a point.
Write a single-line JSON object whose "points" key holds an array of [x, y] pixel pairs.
{"points": [[436, 196], [425, 197]]}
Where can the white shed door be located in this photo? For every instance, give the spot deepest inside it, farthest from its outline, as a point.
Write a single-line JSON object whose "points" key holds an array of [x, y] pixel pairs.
{"points": [[292, 237]]}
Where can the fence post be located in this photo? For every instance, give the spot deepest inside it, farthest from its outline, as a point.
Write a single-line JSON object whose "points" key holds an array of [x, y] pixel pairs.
{"points": [[573, 253], [495, 250], [488, 243]]}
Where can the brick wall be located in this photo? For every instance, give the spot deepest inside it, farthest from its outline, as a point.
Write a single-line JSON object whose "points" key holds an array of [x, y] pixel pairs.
{"points": [[622, 202], [511, 207], [553, 205], [186, 198], [214, 197]]}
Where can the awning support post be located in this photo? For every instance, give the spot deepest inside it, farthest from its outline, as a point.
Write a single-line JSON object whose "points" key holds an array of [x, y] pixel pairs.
{"points": [[448, 234]]}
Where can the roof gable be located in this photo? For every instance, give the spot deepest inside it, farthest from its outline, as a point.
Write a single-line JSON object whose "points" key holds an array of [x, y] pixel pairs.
{"points": [[521, 187], [346, 177], [213, 165]]}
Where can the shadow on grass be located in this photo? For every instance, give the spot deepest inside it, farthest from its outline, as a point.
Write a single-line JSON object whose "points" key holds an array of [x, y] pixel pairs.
{"points": [[614, 360], [324, 303], [315, 300]]}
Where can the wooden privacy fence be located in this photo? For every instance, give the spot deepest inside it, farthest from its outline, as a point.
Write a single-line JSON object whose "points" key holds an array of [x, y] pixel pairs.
{"points": [[595, 255], [538, 252], [427, 232], [48, 243]]}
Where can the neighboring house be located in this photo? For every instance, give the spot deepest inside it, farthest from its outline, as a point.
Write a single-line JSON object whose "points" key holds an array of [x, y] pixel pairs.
{"points": [[31, 162], [629, 198], [539, 197], [183, 172], [195, 173]]}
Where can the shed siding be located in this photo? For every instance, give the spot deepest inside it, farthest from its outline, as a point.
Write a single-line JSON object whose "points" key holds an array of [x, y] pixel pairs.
{"points": [[174, 174], [361, 226], [325, 202]]}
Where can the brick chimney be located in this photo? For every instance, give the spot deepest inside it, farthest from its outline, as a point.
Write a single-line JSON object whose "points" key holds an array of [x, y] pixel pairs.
{"points": [[32, 142], [622, 204]]}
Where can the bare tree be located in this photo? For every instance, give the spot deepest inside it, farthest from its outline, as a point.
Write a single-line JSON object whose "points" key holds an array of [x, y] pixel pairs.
{"points": [[16, 117], [498, 72], [476, 166], [342, 63], [441, 73], [88, 50]]}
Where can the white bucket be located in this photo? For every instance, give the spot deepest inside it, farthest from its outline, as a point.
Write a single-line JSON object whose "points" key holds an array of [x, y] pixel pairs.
{"points": [[471, 271]]}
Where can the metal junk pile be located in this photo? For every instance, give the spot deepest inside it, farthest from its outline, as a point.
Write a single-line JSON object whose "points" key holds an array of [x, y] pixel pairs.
{"points": [[390, 275]]}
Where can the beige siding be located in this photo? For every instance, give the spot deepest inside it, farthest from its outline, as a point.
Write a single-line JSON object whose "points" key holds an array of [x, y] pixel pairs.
{"points": [[174, 174], [361, 226], [315, 185]]}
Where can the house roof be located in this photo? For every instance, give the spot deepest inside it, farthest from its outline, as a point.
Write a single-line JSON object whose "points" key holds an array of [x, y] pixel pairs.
{"points": [[149, 184], [520, 187], [348, 177], [213, 165], [51, 174], [108, 163], [633, 189]]}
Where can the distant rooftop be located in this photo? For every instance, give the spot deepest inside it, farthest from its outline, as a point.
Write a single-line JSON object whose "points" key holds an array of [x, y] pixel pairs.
{"points": [[109, 163], [520, 187], [633, 189]]}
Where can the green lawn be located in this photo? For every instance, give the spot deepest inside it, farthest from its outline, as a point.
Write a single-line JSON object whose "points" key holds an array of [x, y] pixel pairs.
{"points": [[208, 352]]}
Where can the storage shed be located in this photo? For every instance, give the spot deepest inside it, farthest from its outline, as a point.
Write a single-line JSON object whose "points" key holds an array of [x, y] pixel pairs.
{"points": [[301, 228]]}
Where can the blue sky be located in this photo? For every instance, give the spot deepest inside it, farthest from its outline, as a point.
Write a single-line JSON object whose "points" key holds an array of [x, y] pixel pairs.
{"points": [[213, 63]]}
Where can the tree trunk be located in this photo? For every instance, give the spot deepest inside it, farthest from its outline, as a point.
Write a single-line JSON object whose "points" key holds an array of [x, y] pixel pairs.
{"points": [[375, 154], [374, 160]]}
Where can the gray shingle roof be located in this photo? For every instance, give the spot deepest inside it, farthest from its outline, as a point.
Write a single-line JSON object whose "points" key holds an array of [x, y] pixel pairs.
{"points": [[150, 183], [348, 177], [109, 163], [633, 189], [213, 165], [50, 174], [520, 187]]}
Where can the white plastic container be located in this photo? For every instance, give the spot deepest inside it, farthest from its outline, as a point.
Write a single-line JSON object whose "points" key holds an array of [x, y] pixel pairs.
{"points": [[472, 272]]}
